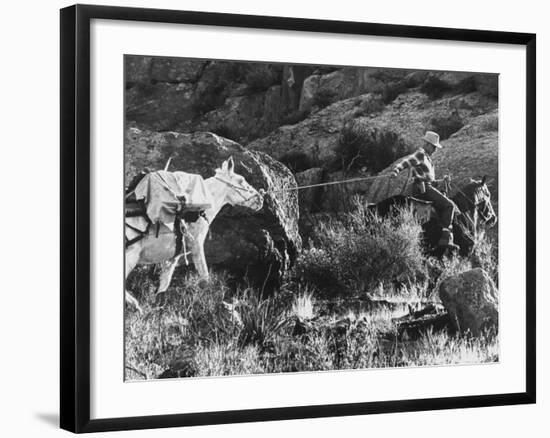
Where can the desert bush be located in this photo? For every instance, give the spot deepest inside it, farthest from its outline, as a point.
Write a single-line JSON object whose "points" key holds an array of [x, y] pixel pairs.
{"points": [[303, 305], [295, 355], [211, 90], [203, 307], [440, 269], [259, 77], [466, 85], [446, 126], [436, 348], [261, 319], [324, 97], [434, 87], [361, 250], [485, 256], [226, 360], [370, 105], [391, 90], [361, 145], [297, 161]]}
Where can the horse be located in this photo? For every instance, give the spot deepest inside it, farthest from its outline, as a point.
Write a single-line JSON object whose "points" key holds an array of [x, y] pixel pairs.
{"points": [[158, 245], [473, 208]]}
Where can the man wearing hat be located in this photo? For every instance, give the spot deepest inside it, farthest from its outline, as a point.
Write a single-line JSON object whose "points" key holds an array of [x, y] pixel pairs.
{"points": [[423, 173]]}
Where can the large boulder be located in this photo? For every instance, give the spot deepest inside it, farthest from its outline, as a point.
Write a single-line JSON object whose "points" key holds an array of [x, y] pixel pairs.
{"points": [[472, 152], [471, 298], [244, 115], [262, 245], [347, 82], [407, 118], [316, 137]]}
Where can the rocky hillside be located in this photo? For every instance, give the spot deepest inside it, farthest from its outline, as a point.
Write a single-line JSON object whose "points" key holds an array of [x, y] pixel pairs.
{"points": [[324, 123], [264, 244]]}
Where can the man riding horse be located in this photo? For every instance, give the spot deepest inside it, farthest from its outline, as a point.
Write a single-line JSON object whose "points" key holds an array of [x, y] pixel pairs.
{"points": [[423, 173]]}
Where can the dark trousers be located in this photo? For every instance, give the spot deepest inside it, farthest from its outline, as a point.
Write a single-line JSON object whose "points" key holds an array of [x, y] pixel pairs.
{"points": [[444, 206]]}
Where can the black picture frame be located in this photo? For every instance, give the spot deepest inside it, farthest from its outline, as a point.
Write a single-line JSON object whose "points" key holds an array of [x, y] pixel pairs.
{"points": [[75, 217]]}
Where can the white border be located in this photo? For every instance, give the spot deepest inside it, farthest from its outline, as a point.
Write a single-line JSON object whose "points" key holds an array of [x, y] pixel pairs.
{"points": [[111, 397]]}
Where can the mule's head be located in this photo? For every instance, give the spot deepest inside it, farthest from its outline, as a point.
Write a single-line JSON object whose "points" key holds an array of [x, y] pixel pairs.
{"points": [[237, 190], [478, 193]]}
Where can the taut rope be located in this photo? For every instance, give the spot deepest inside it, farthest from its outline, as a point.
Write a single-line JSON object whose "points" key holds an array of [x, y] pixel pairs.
{"points": [[331, 183]]}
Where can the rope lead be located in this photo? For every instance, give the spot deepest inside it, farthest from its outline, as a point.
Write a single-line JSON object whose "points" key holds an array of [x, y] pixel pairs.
{"points": [[331, 183]]}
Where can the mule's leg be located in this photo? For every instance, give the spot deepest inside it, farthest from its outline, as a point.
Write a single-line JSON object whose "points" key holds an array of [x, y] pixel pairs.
{"points": [[132, 258], [166, 273], [197, 250]]}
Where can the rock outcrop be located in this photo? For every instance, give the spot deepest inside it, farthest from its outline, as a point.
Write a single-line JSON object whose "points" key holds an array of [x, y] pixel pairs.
{"points": [[301, 113], [261, 246], [471, 298], [472, 152], [408, 117], [241, 101]]}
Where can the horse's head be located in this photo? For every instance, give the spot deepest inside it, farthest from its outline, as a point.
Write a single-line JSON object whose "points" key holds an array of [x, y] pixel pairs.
{"points": [[237, 190], [477, 193]]}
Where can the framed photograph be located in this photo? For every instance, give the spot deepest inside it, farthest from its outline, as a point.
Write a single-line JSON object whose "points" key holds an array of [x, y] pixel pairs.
{"points": [[269, 218]]}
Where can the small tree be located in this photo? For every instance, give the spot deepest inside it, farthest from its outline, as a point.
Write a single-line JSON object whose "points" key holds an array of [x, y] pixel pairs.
{"points": [[361, 145]]}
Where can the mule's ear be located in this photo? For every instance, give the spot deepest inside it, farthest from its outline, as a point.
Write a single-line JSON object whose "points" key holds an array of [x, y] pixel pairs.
{"points": [[224, 166], [484, 179], [230, 165]]}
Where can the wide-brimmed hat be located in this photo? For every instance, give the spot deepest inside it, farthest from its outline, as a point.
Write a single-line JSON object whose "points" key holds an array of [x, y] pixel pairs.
{"points": [[432, 138]]}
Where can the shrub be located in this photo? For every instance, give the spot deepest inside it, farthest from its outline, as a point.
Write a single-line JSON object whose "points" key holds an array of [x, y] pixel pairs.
{"points": [[227, 360], [434, 87], [485, 256], [262, 319], [211, 91], [391, 90], [324, 97], [202, 305], [362, 146], [297, 161], [294, 355], [466, 85], [372, 104], [259, 77], [446, 126], [362, 250]]}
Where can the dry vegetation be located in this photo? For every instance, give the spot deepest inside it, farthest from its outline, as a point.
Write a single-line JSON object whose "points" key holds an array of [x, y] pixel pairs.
{"points": [[358, 274], [309, 324]]}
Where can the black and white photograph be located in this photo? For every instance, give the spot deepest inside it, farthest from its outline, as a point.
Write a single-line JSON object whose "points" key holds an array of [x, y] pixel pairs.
{"points": [[287, 218]]}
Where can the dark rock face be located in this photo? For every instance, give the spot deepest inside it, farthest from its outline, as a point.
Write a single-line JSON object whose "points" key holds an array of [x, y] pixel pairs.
{"points": [[237, 100], [160, 106], [176, 70], [471, 298], [259, 245], [310, 199]]}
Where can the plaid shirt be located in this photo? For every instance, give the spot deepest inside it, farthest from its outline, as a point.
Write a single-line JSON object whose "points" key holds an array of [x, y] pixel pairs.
{"points": [[420, 164]]}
